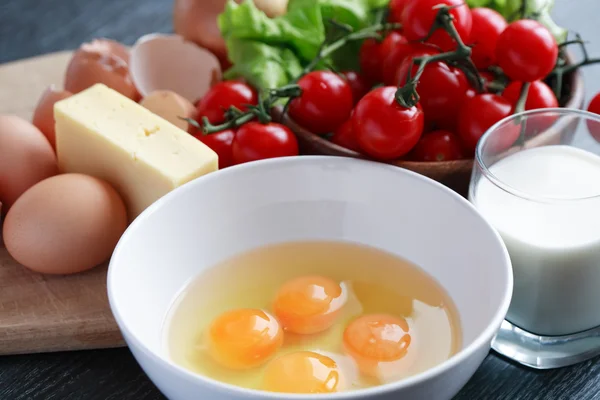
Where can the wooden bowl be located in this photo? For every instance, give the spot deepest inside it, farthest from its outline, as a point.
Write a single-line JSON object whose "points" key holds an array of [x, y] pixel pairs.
{"points": [[454, 174]]}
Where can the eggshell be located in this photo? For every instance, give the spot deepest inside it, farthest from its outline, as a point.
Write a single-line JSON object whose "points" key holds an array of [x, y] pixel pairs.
{"points": [[100, 61], [43, 116], [172, 107], [168, 62], [65, 224], [196, 21], [26, 157]]}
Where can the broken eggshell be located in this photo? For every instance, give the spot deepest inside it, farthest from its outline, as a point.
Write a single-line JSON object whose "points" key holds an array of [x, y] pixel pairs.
{"points": [[169, 62], [172, 107], [100, 61]]}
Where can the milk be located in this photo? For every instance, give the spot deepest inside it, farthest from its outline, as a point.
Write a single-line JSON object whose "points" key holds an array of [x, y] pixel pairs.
{"points": [[553, 240]]}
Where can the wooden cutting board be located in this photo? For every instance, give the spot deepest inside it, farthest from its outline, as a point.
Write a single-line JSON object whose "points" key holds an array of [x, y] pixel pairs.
{"points": [[40, 313]]}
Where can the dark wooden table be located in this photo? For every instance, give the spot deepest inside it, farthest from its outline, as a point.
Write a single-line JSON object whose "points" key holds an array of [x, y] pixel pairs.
{"points": [[32, 27]]}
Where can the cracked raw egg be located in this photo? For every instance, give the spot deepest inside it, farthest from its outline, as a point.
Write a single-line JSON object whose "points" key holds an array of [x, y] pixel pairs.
{"points": [[379, 344], [302, 372], [309, 304], [243, 338]]}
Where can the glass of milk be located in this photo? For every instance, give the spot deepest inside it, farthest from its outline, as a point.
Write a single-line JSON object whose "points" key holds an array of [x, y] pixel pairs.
{"points": [[536, 179]]}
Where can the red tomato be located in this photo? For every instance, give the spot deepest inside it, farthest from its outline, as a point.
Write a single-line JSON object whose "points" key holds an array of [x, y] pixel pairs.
{"points": [[419, 15], [326, 102], [487, 27], [344, 136], [478, 114], [220, 142], [442, 89], [437, 146], [396, 8], [255, 141], [384, 129], [399, 53], [539, 95], [370, 60], [526, 51], [358, 84], [223, 95], [594, 126], [390, 41]]}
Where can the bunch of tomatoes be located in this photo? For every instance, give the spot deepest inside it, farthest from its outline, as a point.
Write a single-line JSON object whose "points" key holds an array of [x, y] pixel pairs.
{"points": [[360, 110], [451, 115]]}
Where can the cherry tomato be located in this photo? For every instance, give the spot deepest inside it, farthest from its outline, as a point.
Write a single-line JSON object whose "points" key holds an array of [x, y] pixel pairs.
{"points": [[358, 84], [419, 15], [526, 51], [399, 53], [255, 141], [487, 27], [220, 143], [442, 89], [344, 136], [389, 43], [539, 95], [223, 95], [437, 146], [594, 126], [396, 8], [370, 60], [384, 129], [326, 102], [478, 114]]}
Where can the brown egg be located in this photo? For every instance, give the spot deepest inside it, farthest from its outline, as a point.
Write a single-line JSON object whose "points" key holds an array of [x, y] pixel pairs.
{"points": [[26, 157], [172, 107], [100, 61], [43, 116], [65, 224]]}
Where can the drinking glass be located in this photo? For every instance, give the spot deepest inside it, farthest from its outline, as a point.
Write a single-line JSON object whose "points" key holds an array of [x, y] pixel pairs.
{"points": [[536, 179]]}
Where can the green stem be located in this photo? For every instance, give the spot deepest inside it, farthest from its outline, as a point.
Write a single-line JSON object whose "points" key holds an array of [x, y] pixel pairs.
{"points": [[209, 128], [563, 69], [519, 108], [570, 68], [407, 95]]}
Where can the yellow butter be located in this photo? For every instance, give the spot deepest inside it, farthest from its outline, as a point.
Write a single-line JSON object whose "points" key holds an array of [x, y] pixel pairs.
{"points": [[102, 133]]}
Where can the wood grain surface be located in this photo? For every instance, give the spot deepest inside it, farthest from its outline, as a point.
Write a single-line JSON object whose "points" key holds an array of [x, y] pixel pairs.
{"points": [[40, 313], [32, 27]]}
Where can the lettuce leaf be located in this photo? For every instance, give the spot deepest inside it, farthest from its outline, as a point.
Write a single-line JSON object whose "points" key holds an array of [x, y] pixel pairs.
{"points": [[263, 66], [271, 52], [300, 29]]}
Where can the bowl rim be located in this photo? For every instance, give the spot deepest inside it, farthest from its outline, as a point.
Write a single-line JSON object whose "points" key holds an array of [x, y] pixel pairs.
{"points": [[482, 339]]}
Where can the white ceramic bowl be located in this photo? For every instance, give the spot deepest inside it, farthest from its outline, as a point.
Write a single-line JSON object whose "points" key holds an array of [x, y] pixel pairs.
{"points": [[332, 198]]}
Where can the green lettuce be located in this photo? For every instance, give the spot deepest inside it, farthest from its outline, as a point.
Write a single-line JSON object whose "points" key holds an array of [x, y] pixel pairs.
{"points": [[270, 52], [511, 10]]}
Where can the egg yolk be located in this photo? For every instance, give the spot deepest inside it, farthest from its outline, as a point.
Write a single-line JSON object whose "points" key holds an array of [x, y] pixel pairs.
{"points": [[375, 340], [302, 372], [309, 304], [243, 338]]}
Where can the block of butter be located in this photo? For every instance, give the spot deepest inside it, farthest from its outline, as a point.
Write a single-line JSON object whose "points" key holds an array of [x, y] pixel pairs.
{"points": [[102, 133]]}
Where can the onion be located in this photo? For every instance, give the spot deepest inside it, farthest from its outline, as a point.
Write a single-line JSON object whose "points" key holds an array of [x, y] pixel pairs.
{"points": [[196, 21]]}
